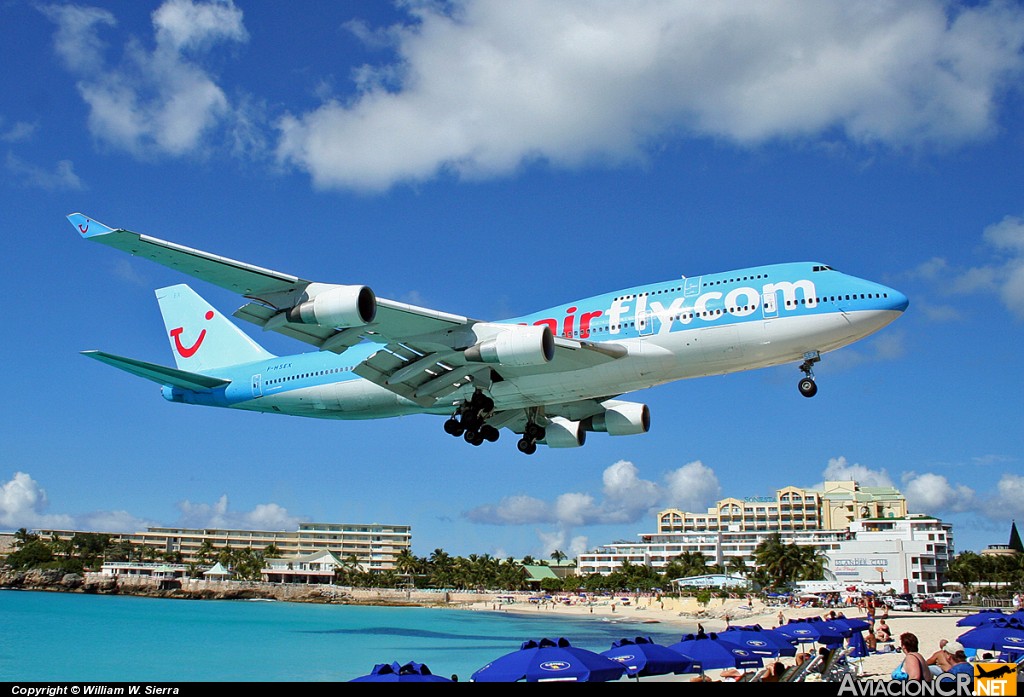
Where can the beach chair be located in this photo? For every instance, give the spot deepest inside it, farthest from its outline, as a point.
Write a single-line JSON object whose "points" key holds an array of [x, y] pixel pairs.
{"points": [[798, 673]]}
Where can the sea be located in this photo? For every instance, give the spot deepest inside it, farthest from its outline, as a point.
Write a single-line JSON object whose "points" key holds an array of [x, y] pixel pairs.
{"points": [[73, 637]]}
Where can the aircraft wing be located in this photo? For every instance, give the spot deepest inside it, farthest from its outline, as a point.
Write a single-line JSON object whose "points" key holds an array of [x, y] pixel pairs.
{"points": [[275, 291], [422, 354]]}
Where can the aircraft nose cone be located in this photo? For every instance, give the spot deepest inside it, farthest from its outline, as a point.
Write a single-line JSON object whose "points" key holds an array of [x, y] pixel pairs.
{"points": [[898, 301]]}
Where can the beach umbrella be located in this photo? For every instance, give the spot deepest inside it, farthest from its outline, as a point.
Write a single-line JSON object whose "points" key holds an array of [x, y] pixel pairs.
{"points": [[393, 672], [711, 652], [1006, 635], [812, 630], [550, 660], [851, 624], [641, 657], [981, 617], [858, 645], [759, 641]]}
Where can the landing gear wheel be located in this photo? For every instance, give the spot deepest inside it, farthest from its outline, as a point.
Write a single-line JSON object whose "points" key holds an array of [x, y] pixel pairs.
{"points": [[489, 433], [453, 428], [471, 435], [527, 446], [807, 387]]}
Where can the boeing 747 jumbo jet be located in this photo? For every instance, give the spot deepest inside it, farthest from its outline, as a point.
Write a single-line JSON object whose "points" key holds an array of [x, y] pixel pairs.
{"points": [[551, 376]]}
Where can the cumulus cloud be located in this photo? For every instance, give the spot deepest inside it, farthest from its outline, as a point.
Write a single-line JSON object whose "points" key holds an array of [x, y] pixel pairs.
{"points": [[693, 487], [625, 498], [16, 132], [154, 101], [1010, 496], [933, 494], [62, 177], [839, 469], [23, 504], [478, 88], [266, 516]]}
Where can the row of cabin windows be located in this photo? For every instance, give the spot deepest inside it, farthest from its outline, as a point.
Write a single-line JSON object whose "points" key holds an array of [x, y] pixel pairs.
{"points": [[833, 298], [302, 376], [744, 308]]}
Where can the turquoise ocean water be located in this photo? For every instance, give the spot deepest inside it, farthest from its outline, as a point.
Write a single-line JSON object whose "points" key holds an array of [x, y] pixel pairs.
{"points": [[70, 637]]}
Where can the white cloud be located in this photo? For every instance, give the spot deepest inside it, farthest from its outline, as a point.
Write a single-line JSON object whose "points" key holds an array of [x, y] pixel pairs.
{"points": [[1001, 275], [62, 177], [932, 494], [693, 487], [23, 504], [266, 516], [113, 521], [16, 132], [159, 100], [480, 87], [1009, 501], [839, 469]]}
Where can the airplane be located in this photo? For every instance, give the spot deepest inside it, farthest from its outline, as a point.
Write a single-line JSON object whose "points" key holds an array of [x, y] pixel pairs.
{"points": [[550, 377]]}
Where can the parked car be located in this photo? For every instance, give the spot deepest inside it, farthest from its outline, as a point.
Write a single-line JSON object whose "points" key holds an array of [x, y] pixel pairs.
{"points": [[949, 598], [900, 605], [931, 605]]}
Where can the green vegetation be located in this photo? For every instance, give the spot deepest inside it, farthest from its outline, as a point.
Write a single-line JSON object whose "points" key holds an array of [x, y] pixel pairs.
{"points": [[777, 567]]}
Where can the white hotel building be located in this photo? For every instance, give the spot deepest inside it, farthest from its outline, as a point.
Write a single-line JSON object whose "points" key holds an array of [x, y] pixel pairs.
{"points": [[859, 529]]}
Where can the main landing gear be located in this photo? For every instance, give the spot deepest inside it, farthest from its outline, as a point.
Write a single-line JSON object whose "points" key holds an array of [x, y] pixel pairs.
{"points": [[807, 386], [528, 443], [470, 421]]}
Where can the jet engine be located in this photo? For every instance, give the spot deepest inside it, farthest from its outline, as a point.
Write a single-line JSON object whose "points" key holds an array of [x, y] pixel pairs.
{"points": [[336, 306], [562, 433], [516, 346], [620, 419]]}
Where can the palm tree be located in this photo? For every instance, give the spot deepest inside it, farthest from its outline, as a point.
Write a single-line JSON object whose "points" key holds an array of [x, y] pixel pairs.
{"points": [[558, 555]]}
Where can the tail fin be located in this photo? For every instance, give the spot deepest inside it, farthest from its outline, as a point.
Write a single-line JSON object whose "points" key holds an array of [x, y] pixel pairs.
{"points": [[203, 339]]}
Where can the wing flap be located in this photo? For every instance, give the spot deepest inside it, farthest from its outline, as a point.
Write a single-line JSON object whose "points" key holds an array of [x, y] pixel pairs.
{"points": [[158, 373]]}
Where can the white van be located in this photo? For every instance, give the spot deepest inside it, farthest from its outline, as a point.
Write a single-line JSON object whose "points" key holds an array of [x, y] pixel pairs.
{"points": [[948, 598]]}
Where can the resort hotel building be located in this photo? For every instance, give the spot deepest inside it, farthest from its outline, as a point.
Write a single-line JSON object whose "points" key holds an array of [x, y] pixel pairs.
{"points": [[375, 547], [866, 534]]}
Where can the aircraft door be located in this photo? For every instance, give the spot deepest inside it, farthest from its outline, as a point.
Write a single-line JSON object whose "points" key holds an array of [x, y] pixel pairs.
{"points": [[691, 286], [769, 305], [257, 386]]}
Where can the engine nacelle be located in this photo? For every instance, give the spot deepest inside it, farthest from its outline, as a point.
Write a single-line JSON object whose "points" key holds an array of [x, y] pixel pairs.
{"points": [[562, 433], [621, 419], [516, 346], [337, 306]]}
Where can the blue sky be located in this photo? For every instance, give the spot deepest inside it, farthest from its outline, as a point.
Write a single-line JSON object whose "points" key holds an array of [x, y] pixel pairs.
{"points": [[490, 159]]}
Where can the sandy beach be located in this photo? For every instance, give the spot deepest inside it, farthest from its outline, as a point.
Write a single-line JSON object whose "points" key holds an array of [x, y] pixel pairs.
{"points": [[929, 627]]}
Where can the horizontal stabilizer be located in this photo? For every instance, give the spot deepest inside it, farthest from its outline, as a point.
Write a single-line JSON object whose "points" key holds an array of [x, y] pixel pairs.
{"points": [[158, 373]]}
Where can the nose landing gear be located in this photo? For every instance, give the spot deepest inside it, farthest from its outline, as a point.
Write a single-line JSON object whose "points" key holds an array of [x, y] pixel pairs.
{"points": [[807, 386]]}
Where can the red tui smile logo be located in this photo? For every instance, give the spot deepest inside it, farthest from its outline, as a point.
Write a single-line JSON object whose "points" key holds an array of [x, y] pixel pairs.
{"points": [[189, 351]]}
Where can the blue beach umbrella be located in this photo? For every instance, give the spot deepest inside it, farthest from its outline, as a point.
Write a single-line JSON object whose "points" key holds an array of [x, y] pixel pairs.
{"points": [[852, 624], [393, 672], [981, 617], [641, 657], [550, 660], [1005, 635], [711, 652], [759, 641], [812, 630]]}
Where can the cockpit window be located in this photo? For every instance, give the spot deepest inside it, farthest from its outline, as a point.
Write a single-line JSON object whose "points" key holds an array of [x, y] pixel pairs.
{"points": [[822, 268]]}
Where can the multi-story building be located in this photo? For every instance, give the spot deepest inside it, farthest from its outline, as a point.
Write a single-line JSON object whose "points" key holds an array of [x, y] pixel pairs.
{"points": [[375, 547], [728, 533]]}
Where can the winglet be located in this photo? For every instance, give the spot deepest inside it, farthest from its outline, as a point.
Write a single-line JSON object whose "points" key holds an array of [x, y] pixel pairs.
{"points": [[88, 227]]}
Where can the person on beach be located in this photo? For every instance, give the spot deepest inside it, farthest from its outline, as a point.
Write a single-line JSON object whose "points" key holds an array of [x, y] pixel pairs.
{"points": [[940, 661], [882, 632], [914, 664], [958, 663]]}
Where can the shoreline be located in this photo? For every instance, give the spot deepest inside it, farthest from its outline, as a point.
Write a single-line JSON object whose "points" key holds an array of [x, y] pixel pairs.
{"points": [[667, 613]]}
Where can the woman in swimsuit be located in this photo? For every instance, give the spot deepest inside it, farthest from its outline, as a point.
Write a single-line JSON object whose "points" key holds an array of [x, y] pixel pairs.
{"points": [[914, 663]]}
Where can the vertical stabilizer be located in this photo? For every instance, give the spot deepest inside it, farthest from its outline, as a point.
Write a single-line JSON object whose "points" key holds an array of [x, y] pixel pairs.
{"points": [[203, 339]]}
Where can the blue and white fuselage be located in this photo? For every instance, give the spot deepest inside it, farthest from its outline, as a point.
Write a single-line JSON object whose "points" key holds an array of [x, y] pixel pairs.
{"points": [[551, 375]]}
